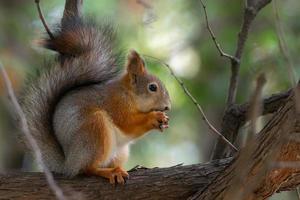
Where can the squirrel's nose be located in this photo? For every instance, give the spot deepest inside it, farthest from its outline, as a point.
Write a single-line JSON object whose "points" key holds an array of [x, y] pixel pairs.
{"points": [[167, 108]]}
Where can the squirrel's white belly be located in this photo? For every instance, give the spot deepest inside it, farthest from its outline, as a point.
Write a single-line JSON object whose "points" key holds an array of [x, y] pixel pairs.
{"points": [[120, 142]]}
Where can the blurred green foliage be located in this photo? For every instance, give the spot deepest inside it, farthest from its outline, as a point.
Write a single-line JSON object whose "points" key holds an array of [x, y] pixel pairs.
{"points": [[174, 31]]}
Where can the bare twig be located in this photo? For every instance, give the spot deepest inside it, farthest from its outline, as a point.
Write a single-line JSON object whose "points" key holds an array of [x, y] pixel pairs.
{"points": [[255, 105], [150, 15], [243, 165], [282, 44], [187, 92], [213, 37], [145, 4], [298, 192], [297, 97], [43, 19], [24, 126], [285, 53]]}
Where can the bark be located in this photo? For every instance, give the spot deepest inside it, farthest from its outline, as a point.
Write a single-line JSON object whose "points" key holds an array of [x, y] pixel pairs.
{"points": [[177, 182], [236, 115], [267, 165]]}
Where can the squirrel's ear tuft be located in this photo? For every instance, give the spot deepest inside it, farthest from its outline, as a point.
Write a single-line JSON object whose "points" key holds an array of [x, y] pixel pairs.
{"points": [[135, 64]]}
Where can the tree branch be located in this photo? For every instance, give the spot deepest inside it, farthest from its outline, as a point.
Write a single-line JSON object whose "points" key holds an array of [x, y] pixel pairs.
{"points": [[72, 8], [212, 180], [272, 145], [37, 2], [283, 46], [255, 106], [213, 37], [236, 115], [199, 108], [30, 139], [251, 10], [158, 183], [249, 16]]}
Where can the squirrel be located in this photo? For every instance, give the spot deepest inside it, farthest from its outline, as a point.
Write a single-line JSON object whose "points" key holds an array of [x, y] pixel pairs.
{"points": [[83, 112]]}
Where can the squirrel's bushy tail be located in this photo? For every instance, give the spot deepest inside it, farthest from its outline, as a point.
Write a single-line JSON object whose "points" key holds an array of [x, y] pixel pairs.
{"points": [[89, 59]]}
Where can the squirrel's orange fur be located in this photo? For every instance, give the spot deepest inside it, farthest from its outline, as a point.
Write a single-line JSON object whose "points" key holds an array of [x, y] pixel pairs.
{"points": [[124, 114]]}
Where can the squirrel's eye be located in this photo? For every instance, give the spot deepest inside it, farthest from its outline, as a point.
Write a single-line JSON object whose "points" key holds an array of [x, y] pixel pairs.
{"points": [[152, 87]]}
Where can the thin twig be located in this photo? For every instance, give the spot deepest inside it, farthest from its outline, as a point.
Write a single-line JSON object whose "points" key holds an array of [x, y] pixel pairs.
{"points": [[150, 16], [282, 44], [285, 53], [24, 126], [187, 92], [43, 19], [217, 44], [145, 4], [297, 97], [298, 193], [255, 105], [243, 166]]}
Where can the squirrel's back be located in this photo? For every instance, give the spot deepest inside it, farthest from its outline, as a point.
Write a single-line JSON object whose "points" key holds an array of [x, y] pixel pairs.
{"points": [[86, 57]]}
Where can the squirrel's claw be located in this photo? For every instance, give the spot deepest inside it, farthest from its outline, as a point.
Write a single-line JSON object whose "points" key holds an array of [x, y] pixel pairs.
{"points": [[118, 175], [163, 126]]}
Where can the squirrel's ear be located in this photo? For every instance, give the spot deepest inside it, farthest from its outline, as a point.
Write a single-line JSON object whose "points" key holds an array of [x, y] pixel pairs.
{"points": [[135, 64]]}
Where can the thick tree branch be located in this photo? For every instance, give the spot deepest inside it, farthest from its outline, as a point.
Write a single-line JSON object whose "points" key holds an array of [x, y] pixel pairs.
{"points": [[236, 115], [211, 180], [157, 183]]}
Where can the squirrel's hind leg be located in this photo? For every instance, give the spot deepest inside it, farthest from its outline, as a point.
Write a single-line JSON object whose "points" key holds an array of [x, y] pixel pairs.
{"points": [[78, 156], [91, 143], [97, 126], [115, 172]]}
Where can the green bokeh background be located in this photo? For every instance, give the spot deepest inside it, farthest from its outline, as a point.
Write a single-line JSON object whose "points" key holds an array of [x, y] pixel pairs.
{"points": [[174, 31]]}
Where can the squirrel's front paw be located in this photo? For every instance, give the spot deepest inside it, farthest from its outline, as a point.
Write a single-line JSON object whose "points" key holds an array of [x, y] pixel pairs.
{"points": [[161, 120]]}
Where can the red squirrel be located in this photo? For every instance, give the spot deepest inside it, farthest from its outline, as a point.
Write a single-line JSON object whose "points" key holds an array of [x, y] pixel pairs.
{"points": [[83, 112]]}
